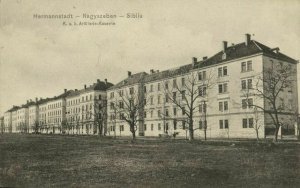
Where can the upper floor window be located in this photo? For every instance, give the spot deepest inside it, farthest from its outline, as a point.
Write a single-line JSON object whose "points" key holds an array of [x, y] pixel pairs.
{"points": [[222, 71], [158, 99], [223, 88], [112, 95], [166, 85], [158, 87], [131, 90], [183, 94], [247, 103], [223, 106], [182, 81], [247, 84], [174, 83], [202, 90], [145, 89], [121, 93], [246, 66], [202, 75]]}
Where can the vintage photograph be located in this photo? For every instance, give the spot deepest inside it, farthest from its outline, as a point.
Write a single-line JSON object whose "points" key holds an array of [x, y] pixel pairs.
{"points": [[139, 93]]}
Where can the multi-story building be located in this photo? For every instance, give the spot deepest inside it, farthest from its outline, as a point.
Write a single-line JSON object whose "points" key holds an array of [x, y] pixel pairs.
{"points": [[42, 117], [219, 89], [33, 116], [86, 108], [125, 98], [14, 119], [56, 112], [2, 128], [8, 121]]}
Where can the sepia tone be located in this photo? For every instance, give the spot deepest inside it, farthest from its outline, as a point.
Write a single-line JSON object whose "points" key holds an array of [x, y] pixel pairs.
{"points": [[149, 93]]}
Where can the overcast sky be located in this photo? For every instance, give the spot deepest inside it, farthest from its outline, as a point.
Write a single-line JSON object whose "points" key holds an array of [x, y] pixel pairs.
{"points": [[39, 58]]}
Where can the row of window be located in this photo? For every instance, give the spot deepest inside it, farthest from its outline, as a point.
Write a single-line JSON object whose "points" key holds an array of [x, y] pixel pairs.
{"points": [[56, 105], [83, 99]]}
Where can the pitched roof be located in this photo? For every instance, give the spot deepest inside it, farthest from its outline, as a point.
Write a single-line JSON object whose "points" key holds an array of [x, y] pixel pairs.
{"points": [[169, 73], [130, 80], [98, 86], [242, 50]]}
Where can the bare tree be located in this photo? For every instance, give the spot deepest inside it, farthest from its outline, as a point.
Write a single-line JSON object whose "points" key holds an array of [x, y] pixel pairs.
{"points": [[99, 116], [192, 88], [129, 107], [270, 87]]}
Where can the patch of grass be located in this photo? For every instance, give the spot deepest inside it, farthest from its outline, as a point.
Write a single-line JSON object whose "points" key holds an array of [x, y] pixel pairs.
{"points": [[83, 161]]}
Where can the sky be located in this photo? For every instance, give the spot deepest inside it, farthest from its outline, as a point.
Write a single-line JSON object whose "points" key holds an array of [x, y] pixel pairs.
{"points": [[42, 57]]}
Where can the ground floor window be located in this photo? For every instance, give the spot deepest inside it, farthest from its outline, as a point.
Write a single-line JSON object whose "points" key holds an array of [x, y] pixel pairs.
{"points": [[121, 127], [223, 124], [248, 123]]}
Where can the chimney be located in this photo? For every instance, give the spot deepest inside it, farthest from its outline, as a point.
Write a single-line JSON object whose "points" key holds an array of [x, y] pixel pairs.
{"points": [[30, 100], [247, 39], [151, 71], [76, 89], [224, 45], [105, 80], [194, 61], [36, 99], [84, 86], [27, 101], [157, 70], [65, 90], [98, 80], [129, 73], [41, 98], [205, 58]]}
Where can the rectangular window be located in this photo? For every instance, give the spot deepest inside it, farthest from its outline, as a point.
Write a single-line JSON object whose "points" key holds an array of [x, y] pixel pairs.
{"points": [[183, 125], [121, 127], [175, 124], [183, 111], [131, 90], [202, 91], [174, 83], [221, 124], [145, 89], [243, 67], [222, 71], [174, 96], [225, 105], [159, 127], [151, 127], [167, 112], [225, 71], [221, 106], [145, 114], [244, 123], [244, 103], [121, 104], [244, 84], [166, 85], [200, 124], [151, 100], [249, 65], [183, 94], [201, 108], [249, 83], [250, 121], [167, 98], [158, 113], [158, 87], [182, 81], [174, 111], [226, 125], [223, 88], [158, 99], [145, 127], [111, 95]]}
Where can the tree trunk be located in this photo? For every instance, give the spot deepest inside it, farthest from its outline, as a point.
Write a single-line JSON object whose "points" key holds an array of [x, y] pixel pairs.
{"points": [[191, 129], [276, 134], [205, 133]]}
